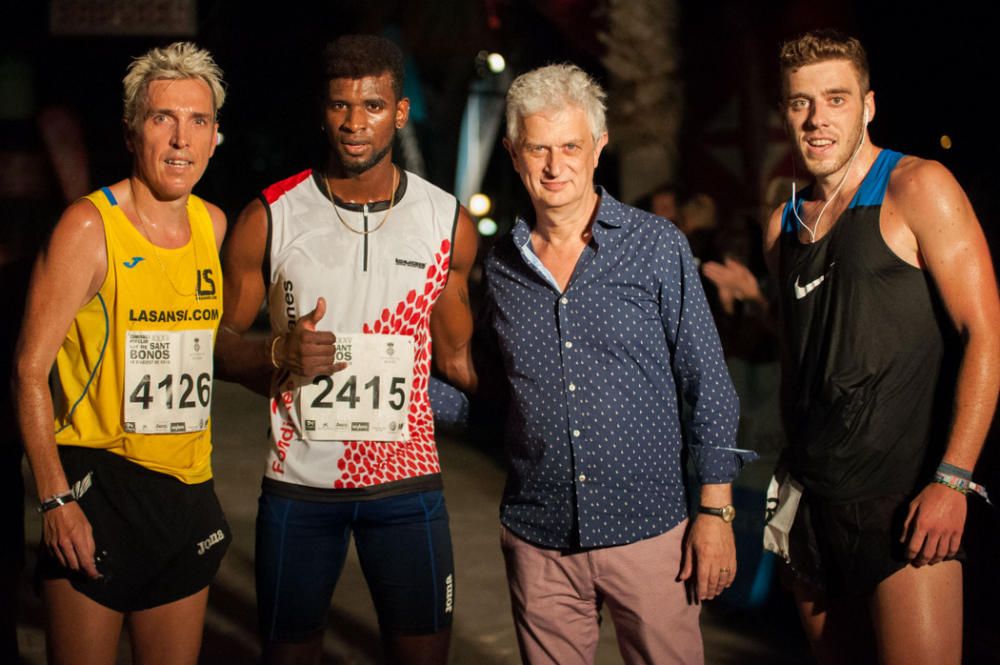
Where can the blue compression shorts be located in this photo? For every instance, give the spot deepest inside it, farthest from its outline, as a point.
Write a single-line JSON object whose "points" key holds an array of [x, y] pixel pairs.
{"points": [[404, 546]]}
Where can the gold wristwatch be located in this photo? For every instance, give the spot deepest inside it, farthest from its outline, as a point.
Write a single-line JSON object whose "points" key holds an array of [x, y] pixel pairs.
{"points": [[727, 513]]}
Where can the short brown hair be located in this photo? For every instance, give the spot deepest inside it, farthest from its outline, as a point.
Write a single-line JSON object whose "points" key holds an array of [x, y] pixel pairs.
{"points": [[822, 45]]}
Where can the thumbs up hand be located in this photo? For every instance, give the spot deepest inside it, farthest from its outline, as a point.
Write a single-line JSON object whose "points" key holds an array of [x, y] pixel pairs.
{"points": [[306, 351]]}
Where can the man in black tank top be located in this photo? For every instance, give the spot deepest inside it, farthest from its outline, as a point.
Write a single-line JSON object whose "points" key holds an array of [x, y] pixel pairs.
{"points": [[891, 369]]}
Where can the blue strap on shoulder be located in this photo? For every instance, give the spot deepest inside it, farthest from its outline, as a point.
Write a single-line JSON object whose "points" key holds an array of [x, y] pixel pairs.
{"points": [[872, 189], [871, 192], [111, 197]]}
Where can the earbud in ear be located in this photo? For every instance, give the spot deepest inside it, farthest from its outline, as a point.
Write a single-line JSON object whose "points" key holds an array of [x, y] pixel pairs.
{"points": [[866, 115]]}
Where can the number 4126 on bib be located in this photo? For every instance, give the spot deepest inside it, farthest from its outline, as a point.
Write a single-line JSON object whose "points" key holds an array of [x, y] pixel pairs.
{"points": [[168, 381]]}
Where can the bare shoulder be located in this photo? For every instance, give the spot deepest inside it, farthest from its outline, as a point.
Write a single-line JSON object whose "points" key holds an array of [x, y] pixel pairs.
{"points": [[79, 229], [771, 228], [76, 247], [247, 238], [466, 242], [218, 218], [924, 190], [936, 227], [253, 218], [914, 170]]}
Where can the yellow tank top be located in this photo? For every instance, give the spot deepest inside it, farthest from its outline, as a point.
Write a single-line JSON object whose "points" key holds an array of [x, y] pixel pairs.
{"points": [[134, 374]]}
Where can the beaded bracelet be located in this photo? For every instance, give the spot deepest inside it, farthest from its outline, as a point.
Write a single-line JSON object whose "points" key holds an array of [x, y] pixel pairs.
{"points": [[954, 482]]}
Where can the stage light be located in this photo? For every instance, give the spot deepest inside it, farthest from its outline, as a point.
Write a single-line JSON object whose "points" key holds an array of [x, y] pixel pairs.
{"points": [[946, 142]]}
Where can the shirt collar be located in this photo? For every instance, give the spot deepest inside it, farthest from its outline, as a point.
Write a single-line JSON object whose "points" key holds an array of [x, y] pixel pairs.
{"points": [[605, 219], [606, 208]]}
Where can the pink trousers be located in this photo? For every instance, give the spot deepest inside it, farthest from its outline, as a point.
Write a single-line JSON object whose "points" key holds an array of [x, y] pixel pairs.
{"points": [[557, 598]]}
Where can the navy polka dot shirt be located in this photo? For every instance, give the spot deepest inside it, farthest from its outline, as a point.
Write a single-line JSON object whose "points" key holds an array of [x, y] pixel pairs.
{"points": [[595, 375]]}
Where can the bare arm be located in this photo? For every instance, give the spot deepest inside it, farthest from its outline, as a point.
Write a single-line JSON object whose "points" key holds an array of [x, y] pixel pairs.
{"points": [[218, 223], [949, 243], [242, 356], [451, 320], [76, 247]]}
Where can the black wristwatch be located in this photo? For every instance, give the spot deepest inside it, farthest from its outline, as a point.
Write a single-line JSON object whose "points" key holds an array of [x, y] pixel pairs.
{"points": [[727, 513], [56, 501]]}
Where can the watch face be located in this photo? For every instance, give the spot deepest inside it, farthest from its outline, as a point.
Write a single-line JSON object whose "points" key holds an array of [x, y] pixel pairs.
{"points": [[725, 513]]}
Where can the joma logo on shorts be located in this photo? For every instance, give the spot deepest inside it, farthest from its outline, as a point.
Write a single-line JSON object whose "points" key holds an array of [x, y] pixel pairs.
{"points": [[215, 538], [449, 595]]}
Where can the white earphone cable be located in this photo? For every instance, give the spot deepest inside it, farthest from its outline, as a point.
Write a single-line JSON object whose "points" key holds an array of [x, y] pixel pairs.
{"points": [[815, 227]]}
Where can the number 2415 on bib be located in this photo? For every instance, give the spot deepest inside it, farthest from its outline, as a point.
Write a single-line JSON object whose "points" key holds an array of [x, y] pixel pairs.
{"points": [[348, 393]]}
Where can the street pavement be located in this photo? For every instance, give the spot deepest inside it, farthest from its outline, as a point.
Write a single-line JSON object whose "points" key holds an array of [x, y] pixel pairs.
{"points": [[736, 633]]}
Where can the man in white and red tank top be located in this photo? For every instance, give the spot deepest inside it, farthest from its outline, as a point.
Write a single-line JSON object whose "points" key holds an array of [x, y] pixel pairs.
{"points": [[361, 264]]}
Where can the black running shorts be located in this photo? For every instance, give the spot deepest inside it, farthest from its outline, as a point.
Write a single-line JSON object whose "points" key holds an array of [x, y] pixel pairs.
{"points": [[157, 539], [846, 548]]}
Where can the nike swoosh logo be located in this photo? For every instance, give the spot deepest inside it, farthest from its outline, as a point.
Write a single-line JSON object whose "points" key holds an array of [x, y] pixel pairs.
{"points": [[802, 290], [134, 262]]}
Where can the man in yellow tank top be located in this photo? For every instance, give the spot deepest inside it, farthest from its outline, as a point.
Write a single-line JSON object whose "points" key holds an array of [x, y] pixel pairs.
{"points": [[125, 301]]}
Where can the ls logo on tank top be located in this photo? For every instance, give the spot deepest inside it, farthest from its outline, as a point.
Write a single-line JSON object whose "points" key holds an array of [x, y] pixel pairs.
{"points": [[369, 399], [168, 381]]}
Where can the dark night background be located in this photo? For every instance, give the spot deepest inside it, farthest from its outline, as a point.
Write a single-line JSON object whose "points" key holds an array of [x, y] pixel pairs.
{"points": [[933, 71]]}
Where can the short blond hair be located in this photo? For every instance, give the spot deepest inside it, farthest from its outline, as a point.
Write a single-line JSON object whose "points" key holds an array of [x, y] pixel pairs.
{"points": [[820, 46], [180, 60]]}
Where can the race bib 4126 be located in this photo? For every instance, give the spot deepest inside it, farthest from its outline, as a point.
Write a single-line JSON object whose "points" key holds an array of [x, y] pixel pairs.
{"points": [[168, 381]]}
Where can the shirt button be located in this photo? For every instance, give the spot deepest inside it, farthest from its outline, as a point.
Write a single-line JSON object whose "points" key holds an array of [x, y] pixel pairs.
{"points": [[564, 300], [572, 387], [583, 478], [576, 432], [569, 345]]}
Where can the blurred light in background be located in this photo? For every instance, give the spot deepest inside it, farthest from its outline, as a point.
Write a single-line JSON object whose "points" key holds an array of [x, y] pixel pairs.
{"points": [[487, 227], [946, 142], [479, 204], [496, 63], [480, 126]]}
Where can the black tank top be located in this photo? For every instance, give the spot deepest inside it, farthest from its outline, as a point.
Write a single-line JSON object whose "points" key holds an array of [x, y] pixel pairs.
{"points": [[869, 355]]}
